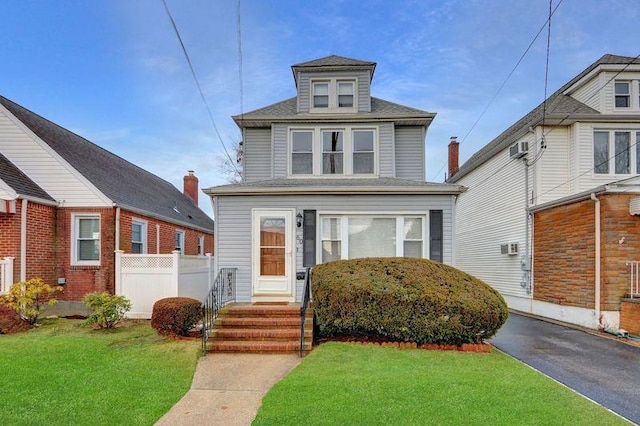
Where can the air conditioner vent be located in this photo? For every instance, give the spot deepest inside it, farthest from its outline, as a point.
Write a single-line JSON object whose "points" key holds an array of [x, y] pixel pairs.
{"points": [[509, 248], [519, 149]]}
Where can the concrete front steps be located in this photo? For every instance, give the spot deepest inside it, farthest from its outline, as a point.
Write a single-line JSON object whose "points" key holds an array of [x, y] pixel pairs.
{"points": [[261, 328]]}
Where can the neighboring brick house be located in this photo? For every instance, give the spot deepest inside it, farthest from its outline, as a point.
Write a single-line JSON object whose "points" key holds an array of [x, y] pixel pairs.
{"points": [[66, 205], [550, 217]]}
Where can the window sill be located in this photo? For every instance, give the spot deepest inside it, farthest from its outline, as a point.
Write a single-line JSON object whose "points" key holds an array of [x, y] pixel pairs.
{"points": [[76, 267]]}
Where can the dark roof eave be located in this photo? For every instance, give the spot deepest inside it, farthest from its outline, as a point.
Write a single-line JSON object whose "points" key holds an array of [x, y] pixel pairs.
{"points": [[266, 121], [164, 218]]}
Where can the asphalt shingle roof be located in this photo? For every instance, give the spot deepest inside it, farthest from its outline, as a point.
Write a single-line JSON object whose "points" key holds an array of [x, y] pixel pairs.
{"points": [[123, 182], [558, 104], [16, 179], [384, 184], [333, 61]]}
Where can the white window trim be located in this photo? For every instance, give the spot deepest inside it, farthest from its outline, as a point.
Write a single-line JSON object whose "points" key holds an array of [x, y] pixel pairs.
{"points": [[317, 151], [333, 95], [143, 236], [344, 230], [201, 241], [630, 95], [182, 234], [75, 222], [612, 150]]}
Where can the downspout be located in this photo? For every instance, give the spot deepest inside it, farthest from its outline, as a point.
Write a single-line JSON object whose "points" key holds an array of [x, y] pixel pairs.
{"points": [[157, 238], [117, 228], [597, 259], [526, 260], [23, 240]]}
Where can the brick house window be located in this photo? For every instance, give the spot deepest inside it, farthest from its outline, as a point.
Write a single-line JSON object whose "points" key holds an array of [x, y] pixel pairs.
{"points": [[138, 236], [179, 241], [85, 239], [201, 245]]}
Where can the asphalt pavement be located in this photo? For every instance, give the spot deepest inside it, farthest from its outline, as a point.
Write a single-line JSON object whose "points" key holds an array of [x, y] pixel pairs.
{"points": [[602, 369]]}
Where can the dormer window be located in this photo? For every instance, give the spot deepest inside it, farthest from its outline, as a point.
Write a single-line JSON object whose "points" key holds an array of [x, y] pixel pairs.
{"points": [[623, 94], [345, 94], [333, 95], [321, 95]]}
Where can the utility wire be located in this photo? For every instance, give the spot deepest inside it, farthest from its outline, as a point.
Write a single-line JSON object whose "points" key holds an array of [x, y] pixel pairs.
{"points": [[195, 77], [513, 70]]}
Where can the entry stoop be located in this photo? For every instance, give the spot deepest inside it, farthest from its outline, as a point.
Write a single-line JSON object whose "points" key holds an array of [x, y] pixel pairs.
{"points": [[261, 328]]}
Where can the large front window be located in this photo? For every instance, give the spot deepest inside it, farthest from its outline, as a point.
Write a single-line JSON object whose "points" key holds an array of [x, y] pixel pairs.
{"points": [[343, 151], [86, 240], [616, 152], [356, 236]]}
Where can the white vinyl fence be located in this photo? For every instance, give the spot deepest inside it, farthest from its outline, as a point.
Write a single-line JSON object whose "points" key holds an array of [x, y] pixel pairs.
{"points": [[146, 278], [6, 274]]}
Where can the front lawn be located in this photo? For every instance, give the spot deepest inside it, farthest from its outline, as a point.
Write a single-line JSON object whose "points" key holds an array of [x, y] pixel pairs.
{"points": [[351, 384], [62, 373]]}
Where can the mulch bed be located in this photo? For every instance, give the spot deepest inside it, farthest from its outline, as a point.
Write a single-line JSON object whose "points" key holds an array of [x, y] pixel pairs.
{"points": [[10, 323], [377, 341]]}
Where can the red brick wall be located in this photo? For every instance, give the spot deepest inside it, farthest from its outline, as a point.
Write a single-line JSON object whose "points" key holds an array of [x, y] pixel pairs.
{"points": [[630, 316], [564, 252], [167, 235], [41, 260]]}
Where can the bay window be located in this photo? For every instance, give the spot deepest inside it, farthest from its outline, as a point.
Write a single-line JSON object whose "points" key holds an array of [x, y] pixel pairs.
{"points": [[357, 236], [326, 151]]}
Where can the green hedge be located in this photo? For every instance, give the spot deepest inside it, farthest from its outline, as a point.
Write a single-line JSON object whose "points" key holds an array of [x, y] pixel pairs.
{"points": [[407, 300]]}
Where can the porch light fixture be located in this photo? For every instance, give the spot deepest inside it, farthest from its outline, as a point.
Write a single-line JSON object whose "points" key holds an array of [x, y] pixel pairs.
{"points": [[299, 220]]}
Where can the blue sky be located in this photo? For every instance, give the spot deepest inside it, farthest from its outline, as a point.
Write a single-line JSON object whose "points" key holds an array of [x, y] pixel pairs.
{"points": [[113, 72]]}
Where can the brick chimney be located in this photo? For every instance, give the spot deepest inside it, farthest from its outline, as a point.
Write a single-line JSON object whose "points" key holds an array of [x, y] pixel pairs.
{"points": [[191, 186], [453, 156]]}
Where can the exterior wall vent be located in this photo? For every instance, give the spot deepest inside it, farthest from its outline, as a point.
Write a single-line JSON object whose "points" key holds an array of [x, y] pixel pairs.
{"points": [[634, 206], [519, 149]]}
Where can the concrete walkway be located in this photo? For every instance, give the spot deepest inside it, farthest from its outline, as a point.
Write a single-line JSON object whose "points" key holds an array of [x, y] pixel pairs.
{"points": [[602, 369], [227, 389]]}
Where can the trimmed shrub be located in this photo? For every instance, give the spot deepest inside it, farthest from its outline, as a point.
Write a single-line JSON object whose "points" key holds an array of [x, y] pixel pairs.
{"points": [[108, 309], [29, 298], [406, 300], [175, 315]]}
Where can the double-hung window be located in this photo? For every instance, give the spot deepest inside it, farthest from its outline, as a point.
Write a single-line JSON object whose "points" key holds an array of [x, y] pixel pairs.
{"points": [[325, 151], [201, 245], [357, 236], [613, 153], [138, 236], [86, 240], [179, 241], [333, 95], [332, 152], [622, 94]]}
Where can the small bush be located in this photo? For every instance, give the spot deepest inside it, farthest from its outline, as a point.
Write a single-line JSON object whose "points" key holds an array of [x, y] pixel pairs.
{"points": [[107, 309], [29, 298], [175, 315], [406, 300]]}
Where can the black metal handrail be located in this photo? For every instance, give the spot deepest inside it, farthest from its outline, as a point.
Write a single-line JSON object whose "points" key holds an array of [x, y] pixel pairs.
{"points": [[306, 298], [221, 292]]}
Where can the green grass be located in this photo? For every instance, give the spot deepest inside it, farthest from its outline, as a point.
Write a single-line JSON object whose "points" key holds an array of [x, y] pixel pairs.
{"points": [[350, 384], [62, 373]]}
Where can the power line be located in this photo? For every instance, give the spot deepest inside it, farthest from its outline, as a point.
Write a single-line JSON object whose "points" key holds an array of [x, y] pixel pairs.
{"points": [[195, 77], [513, 70]]}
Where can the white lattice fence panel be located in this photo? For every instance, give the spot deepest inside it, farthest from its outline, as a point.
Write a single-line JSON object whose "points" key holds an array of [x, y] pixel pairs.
{"points": [[147, 262]]}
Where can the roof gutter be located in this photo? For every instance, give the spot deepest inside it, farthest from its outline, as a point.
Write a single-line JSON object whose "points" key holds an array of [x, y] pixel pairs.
{"points": [[570, 199], [335, 191]]}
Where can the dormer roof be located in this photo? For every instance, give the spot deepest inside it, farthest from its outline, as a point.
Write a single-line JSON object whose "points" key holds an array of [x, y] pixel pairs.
{"points": [[332, 63]]}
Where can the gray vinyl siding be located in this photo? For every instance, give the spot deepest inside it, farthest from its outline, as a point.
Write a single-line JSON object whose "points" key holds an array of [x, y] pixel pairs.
{"points": [[280, 151], [409, 151], [257, 154], [364, 88], [233, 223], [387, 152]]}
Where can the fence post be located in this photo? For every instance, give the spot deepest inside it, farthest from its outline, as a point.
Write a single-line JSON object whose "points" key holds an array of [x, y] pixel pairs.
{"points": [[209, 270], [119, 271], [7, 275], [176, 271]]}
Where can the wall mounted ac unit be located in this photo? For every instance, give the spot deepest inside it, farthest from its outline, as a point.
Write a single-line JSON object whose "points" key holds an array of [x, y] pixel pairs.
{"points": [[510, 248], [519, 149]]}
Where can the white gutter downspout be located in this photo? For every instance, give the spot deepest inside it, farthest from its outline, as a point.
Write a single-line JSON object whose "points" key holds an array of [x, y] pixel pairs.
{"points": [[157, 238], [117, 228], [23, 240], [597, 260]]}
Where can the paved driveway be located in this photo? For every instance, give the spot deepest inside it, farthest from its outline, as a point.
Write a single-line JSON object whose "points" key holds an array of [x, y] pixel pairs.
{"points": [[602, 369]]}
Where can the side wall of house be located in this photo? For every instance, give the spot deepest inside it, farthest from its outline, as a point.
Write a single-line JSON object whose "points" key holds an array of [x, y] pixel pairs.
{"points": [[40, 238], [166, 231], [233, 223], [489, 214], [257, 157], [409, 152]]}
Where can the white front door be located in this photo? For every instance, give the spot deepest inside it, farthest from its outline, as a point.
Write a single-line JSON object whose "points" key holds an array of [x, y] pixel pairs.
{"points": [[273, 261]]}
